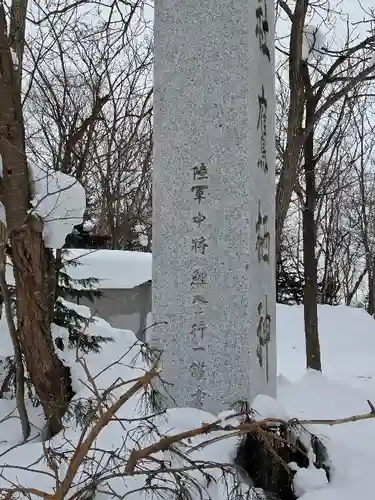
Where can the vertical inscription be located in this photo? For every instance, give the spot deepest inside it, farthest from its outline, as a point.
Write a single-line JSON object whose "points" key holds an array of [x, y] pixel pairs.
{"points": [[264, 335], [262, 127], [199, 280], [263, 237], [199, 193], [262, 28], [198, 397], [263, 243]]}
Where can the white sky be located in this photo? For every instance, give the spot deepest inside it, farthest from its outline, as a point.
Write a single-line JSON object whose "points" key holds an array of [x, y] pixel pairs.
{"points": [[356, 11], [335, 30], [353, 7]]}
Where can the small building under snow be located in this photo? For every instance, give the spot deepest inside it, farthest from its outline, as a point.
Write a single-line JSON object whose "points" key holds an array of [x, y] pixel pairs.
{"points": [[125, 283]]}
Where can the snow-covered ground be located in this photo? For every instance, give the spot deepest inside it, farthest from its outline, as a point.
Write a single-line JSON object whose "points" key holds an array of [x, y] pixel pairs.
{"points": [[347, 337], [348, 344]]}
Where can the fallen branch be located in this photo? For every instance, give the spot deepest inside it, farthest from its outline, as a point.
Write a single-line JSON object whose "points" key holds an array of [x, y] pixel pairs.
{"points": [[345, 420], [243, 428]]}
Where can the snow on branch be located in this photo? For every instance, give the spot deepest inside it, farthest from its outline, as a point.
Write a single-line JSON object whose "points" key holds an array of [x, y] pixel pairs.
{"points": [[313, 42], [59, 200]]}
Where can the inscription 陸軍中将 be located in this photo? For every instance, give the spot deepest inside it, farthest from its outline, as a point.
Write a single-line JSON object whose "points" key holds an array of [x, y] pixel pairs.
{"points": [[263, 237], [262, 28], [199, 280], [263, 335], [262, 126]]}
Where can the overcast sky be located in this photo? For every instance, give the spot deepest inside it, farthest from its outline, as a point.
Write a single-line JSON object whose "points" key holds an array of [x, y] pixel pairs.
{"points": [[356, 13], [354, 9], [334, 36]]}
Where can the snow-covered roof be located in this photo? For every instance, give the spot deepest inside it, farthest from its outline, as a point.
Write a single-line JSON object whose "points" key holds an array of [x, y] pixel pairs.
{"points": [[114, 268]]}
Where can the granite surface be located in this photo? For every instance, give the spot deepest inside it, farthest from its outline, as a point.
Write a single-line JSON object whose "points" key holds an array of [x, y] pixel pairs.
{"points": [[213, 200]]}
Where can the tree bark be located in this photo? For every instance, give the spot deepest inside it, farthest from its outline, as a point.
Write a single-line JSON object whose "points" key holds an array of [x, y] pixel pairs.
{"points": [[18, 362], [34, 276], [371, 290], [33, 264], [309, 242], [294, 144]]}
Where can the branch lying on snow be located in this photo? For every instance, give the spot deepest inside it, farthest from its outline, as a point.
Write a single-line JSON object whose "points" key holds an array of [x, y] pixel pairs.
{"points": [[345, 420], [243, 428]]}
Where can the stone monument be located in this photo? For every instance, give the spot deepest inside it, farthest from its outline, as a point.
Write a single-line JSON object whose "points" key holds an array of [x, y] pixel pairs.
{"points": [[213, 200]]}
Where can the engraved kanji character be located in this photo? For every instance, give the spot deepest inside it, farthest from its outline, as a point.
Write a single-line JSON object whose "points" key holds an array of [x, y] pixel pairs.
{"points": [[262, 125], [197, 369], [264, 335], [198, 328], [199, 299], [198, 397], [199, 218], [199, 192], [262, 107], [198, 278], [200, 172], [199, 245], [262, 28], [263, 237]]}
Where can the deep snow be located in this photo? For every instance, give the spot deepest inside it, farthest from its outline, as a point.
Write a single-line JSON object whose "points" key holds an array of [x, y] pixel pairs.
{"points": [[347, 339]]}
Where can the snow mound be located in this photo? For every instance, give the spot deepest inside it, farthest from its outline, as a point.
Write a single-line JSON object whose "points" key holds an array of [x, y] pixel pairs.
{"points": [[303, 395], [59, 200], [347, 339], [346, 334], [116, 367]]}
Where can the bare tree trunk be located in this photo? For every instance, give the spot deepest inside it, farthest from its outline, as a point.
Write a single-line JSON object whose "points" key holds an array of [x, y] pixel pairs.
{"points": [[18, 362], [371, 290], [288, 173], [310, 265], [33, 264], [296, 133], [35, 277], [355, 288]]}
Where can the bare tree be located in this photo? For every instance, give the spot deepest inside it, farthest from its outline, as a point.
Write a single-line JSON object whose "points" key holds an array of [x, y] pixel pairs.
{"points": [[346, 70], [32, 262], [95, 93], [71, 85], [323, 84]]}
